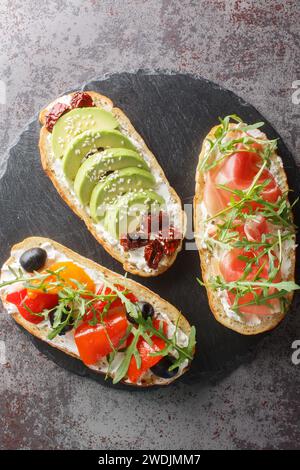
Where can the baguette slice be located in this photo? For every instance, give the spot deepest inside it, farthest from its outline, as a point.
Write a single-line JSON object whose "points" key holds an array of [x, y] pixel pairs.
{"points": [[141, 292], [209, 266], [65, 190]]}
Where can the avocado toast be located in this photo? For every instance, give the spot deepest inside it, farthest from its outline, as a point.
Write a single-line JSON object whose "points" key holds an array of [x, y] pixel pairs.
{"points": [[104, 171]]}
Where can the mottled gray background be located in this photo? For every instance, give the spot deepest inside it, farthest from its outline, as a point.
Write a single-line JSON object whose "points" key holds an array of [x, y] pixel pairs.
{"points": [[252, 48]]}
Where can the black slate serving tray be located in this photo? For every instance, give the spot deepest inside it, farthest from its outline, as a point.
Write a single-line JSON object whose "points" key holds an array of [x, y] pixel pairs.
{"points": [[173, 113]]}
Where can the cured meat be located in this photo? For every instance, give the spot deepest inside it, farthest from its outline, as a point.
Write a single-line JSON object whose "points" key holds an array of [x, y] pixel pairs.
{"points": [[232, 267], [237, 172]]}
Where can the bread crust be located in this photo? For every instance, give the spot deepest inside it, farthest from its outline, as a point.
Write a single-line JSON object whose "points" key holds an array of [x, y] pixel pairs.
{"points": [[207, 259], [140, 291], [63, 190]]}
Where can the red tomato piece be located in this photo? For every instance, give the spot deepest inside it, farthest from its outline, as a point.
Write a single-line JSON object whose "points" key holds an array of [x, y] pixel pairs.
{"points": [[95, 342], [38, 304]]}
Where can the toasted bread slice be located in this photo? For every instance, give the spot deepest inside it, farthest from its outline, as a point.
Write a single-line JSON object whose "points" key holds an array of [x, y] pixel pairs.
{"points": [[65, 188], [209, 264], [174, 317]]}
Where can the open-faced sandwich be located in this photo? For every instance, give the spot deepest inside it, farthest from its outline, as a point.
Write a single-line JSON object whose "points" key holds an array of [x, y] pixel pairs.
{"points": [[244, 227], [113, 324], [104, 171]]}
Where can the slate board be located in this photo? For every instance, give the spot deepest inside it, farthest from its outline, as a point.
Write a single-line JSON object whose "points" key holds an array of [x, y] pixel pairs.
{"points": [[173, 113]]}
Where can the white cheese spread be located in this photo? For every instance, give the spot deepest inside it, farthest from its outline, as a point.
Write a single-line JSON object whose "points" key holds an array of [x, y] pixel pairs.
{"points": [[67, 341], [288, 246]]}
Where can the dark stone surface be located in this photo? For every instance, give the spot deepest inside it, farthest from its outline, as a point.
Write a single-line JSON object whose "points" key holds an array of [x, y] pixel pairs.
{"points": [[173, 113], [250, 47]]}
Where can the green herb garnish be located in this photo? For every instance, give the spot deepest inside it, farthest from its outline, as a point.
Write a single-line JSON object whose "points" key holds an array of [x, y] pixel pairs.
{"points": [[75, 302], [221, 147], [242, 206]]}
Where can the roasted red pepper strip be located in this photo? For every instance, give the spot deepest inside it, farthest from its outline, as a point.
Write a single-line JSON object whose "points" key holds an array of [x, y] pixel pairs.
{"points": [[98, 307], [95, 342], [232, 266], [40, 303], [120, 288], [145, 350]]}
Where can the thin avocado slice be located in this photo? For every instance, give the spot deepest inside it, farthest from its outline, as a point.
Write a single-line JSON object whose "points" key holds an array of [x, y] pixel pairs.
{"points": [[126, 212], [95, 167], [75, 122], [90, 142], [118, 183]]}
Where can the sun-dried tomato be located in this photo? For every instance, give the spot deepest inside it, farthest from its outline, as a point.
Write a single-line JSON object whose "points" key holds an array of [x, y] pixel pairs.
{"points": [[170, 241], [153, 253], [154, 223], [80, 99], [54, 114], [131, 241], [165, 240]]}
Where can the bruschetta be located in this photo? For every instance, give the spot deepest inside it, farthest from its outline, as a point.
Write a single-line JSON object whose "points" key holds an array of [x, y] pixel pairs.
{"points": [[113, 324], [105, 172], [244, 227]]}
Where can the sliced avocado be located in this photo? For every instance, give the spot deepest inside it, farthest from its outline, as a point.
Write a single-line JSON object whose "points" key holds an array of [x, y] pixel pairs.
{"points": [[100, 163], [118, 183], [124, 215], [77, 121], [89, 142]]}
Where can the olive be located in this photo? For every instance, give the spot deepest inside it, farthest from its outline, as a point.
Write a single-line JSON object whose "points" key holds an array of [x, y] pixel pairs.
{"points": [[33, 259], [130, 318], [146, 309], [161, 369], [63, 318]]}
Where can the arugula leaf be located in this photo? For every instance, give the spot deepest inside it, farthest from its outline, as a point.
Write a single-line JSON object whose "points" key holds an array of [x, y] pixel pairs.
{"points": [[123, 367], [73, 304], [220, 148]]}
